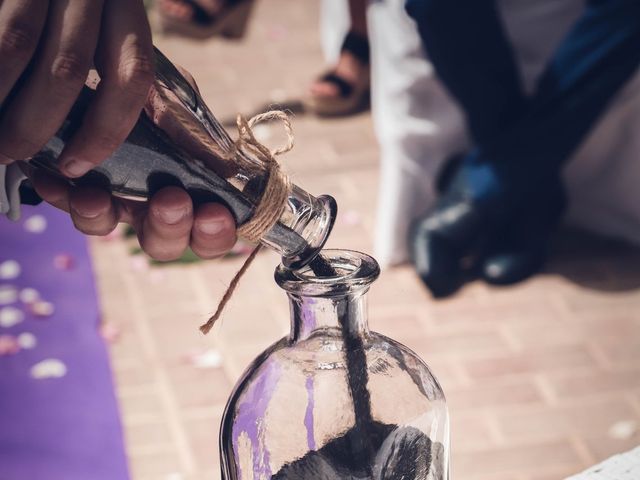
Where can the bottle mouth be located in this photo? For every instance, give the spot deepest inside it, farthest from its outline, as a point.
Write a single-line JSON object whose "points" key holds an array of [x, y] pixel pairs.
{"points": [[353, 271], [323, 221]]}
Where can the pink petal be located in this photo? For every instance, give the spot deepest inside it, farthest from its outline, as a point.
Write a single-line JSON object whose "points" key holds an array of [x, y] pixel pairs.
{"points": [[139, 263], [8, 345], [9, 270], [10, 316], [49, 368], [8, 294], [277, 32], [27, 340], [351, 218], [156, 276], [242, 248], [35, 224], [205, 359], [110, 332], [40, 308], [29, 295], [64, 262]]}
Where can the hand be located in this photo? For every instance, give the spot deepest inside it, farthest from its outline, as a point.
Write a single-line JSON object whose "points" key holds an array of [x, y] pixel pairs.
{"points": [[46, 52], [166, 225]]}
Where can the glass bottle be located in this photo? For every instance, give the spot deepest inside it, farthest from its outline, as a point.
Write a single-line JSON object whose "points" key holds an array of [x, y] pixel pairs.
{"points": [[178, 141], [334, 400]]}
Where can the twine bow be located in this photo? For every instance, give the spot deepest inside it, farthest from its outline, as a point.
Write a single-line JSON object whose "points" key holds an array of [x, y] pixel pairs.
{"points": [[272, 202]]}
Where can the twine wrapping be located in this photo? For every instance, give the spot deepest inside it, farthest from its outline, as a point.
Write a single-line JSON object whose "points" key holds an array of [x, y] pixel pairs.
{"points": [[272, 202], [274, 198]]}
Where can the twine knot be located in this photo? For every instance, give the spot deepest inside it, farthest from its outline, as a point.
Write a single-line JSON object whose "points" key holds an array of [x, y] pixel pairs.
{"points": [[274, 197], [272, 201]]}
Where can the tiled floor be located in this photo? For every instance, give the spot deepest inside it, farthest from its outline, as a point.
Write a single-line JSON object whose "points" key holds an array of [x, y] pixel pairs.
{"points": [[542, 379]]}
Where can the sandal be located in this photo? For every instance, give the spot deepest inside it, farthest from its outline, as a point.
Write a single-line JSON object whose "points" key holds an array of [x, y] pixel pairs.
{"points": [[352, 97], [230, 22]]}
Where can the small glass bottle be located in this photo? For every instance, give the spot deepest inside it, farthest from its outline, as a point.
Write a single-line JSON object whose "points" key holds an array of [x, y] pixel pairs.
{"points": [[334, 400], [197, 154]]}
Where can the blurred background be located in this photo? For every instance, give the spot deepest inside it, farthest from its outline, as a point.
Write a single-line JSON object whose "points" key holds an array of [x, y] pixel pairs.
{"points": [[542, 378]]}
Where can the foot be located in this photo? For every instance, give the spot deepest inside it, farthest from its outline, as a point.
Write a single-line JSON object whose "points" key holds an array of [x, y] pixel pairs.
{"points": [[520, 250], [447, 171], [188, 12], [349, 68], [344, 90], [505, 235], [453, 230]]}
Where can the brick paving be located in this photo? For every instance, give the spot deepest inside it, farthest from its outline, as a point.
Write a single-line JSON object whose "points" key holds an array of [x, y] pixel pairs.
{"points": [[541, 378]]}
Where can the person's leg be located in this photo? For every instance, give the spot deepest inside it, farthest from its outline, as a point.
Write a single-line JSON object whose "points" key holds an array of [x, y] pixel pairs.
{"points": [[417, 127], [358, 13], [596, 58], [467, 45], [503, 178], [345, 88], [203, 19], [600, 53]]}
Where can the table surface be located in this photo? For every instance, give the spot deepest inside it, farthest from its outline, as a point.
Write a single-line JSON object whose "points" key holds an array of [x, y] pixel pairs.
{"points": [[625, 466]]}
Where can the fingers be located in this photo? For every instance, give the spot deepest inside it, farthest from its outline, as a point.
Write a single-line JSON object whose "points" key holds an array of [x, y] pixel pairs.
{"points": [[55, 79], [170, 226], [166, 226], [21, 24], [214, 231], [125, 64], [92, 210], [5, 160], [51, 189], [166, 229]]}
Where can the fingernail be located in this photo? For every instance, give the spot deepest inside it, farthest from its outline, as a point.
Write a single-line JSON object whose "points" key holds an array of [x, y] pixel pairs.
{"points": [[212, 227], [5, 160], [171, 216], [86, 214], [76, 168]]}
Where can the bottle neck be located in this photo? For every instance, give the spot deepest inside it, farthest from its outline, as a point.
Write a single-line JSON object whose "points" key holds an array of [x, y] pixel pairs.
{"points": [[346, 314], [303, 227]]}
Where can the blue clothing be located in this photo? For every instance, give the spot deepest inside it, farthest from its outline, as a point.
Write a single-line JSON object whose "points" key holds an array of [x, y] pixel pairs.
{"points": [[522, 141]]}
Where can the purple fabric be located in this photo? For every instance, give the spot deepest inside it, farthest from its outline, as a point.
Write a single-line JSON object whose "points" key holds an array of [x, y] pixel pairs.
{"points": [[64, 428]]}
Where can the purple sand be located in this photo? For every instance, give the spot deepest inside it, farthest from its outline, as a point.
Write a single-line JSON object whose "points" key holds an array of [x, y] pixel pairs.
{"points": [[309, 319], [251, 413], [57, 428], [308, 415]]}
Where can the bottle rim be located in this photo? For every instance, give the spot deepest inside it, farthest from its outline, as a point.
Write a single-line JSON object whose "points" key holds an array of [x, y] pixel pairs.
{"points": [[356, 271]]}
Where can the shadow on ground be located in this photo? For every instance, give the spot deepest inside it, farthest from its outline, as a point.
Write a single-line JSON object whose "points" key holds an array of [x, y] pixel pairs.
{"points": [[595, 261]]}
